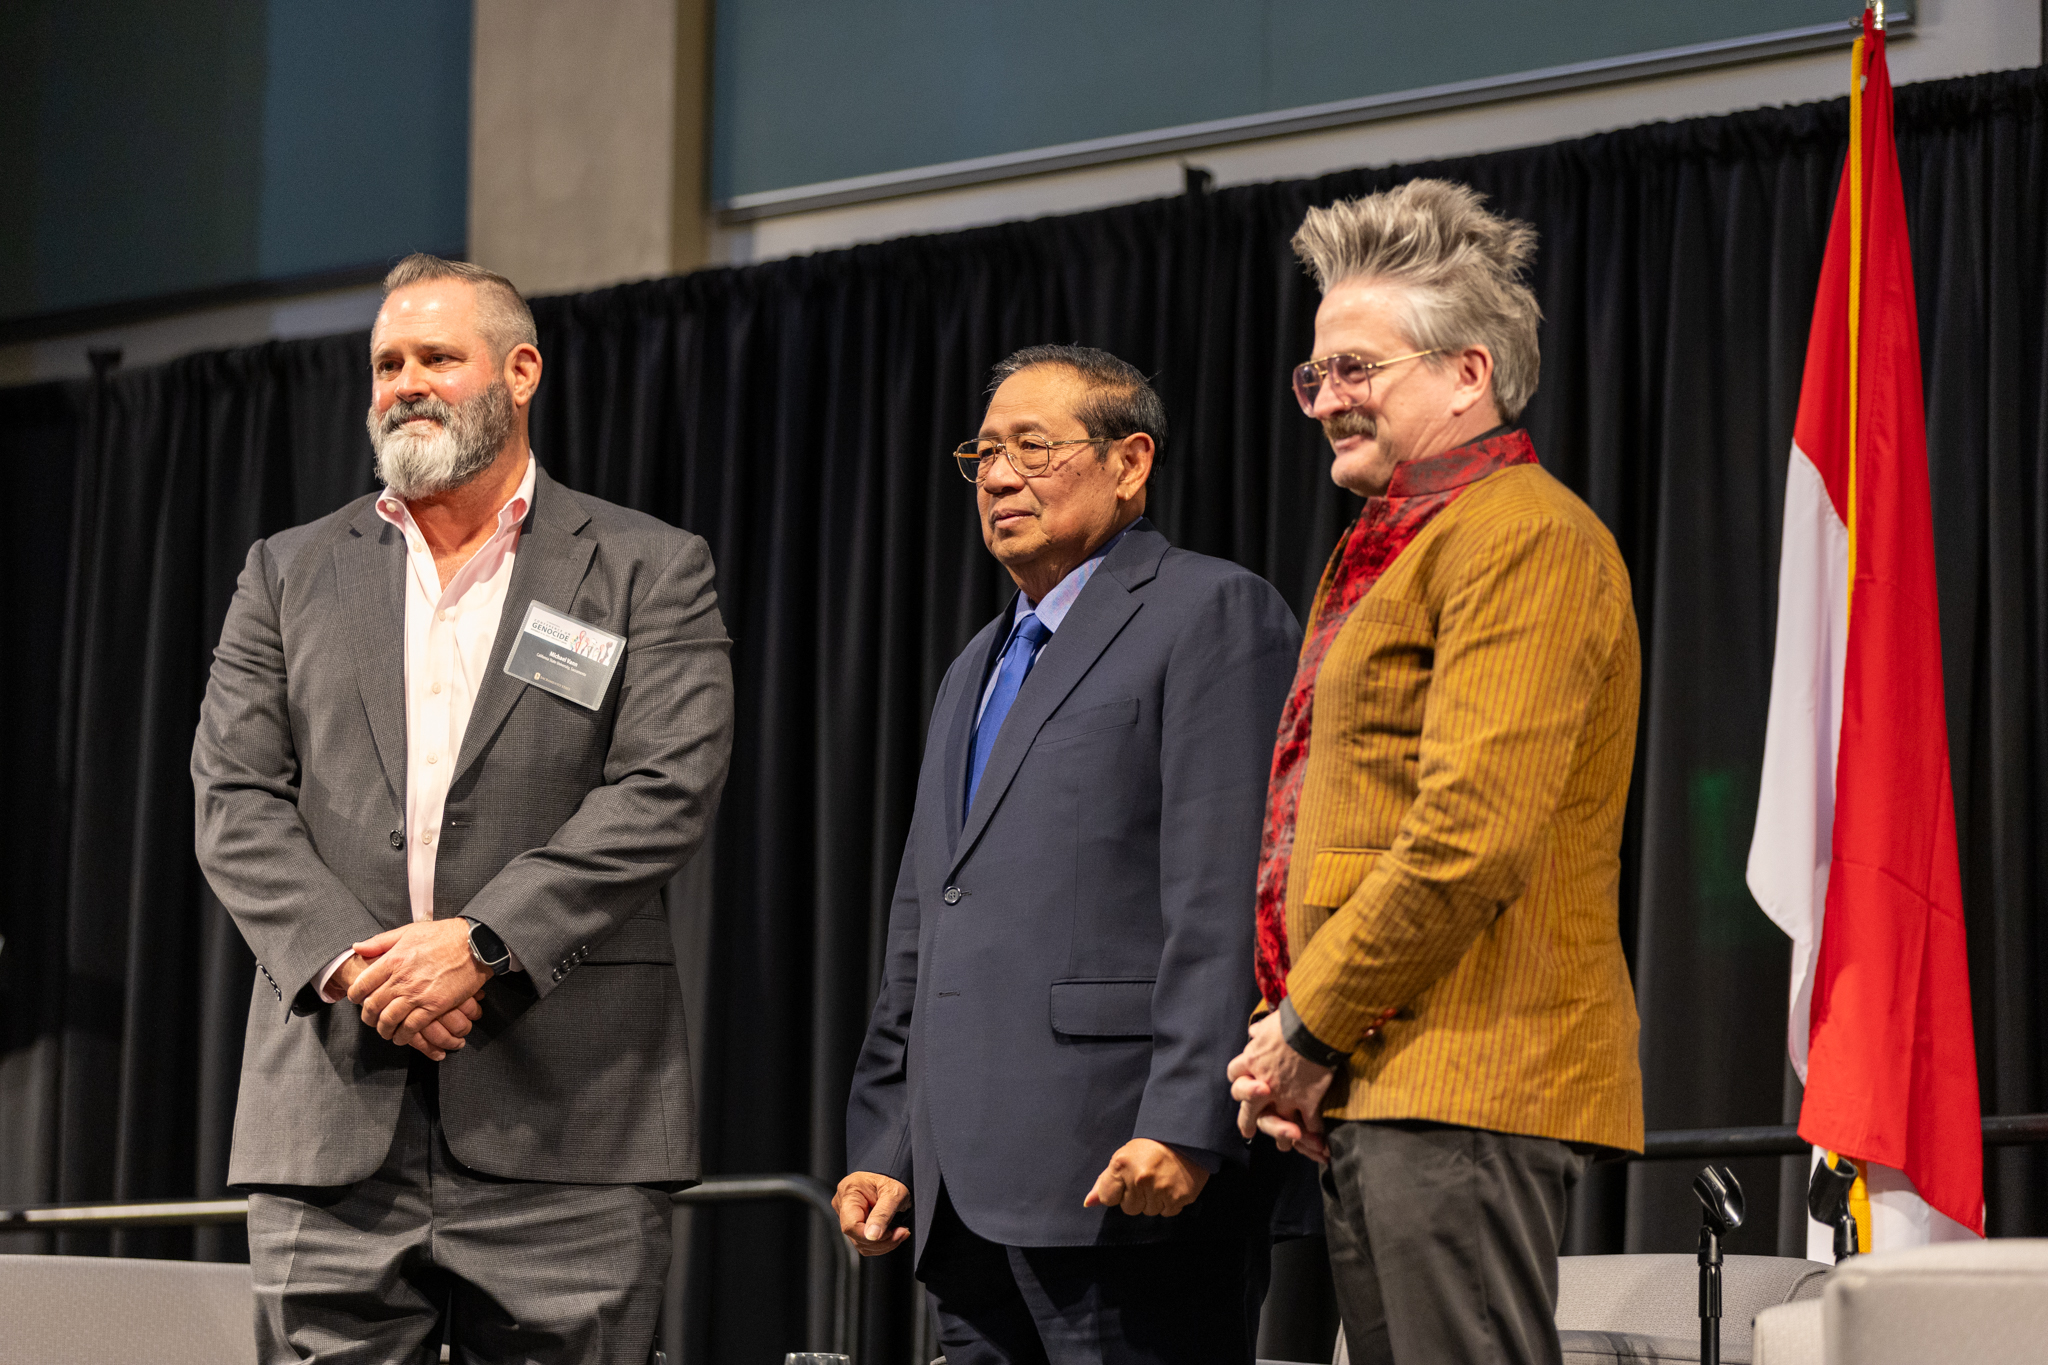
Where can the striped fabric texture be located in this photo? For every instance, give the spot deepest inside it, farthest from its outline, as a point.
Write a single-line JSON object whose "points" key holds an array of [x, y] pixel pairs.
{"points": [[1453, 896], [1419, 491]]}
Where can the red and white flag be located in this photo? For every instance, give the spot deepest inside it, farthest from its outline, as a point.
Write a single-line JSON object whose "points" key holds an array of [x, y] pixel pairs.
{"points": [[1854, 854]]}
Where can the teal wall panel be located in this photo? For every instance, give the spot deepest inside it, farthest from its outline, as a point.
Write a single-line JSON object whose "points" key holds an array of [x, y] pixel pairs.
{"points": [[814, 90], [365, 132], [149, 149], [147, 140]]}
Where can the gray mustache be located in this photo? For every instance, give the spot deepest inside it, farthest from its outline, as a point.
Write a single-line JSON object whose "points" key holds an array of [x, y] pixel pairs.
{"points": [[404, 411], [1339, 425]]}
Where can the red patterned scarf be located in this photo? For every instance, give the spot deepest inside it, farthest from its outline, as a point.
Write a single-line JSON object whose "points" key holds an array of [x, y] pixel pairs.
{"points": [[1419, 490]]}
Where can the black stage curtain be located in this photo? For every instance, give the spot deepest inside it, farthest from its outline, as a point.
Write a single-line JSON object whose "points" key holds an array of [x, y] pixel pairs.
{"points": [[798, 414]]}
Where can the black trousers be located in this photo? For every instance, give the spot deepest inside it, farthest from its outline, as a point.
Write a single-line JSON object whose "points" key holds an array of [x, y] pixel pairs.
{"points": [[522, 1271], [1193, 1302], [1444, 1240]]}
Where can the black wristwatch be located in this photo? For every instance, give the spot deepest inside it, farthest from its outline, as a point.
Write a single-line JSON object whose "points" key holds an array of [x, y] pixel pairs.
{"points": [[1307, 1044], [487, 948]]}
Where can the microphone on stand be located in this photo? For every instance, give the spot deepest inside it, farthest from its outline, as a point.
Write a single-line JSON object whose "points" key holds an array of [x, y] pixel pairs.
{"points": [[1720, 1196]]}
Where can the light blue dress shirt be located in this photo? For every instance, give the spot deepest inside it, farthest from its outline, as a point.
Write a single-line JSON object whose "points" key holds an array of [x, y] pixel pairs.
{"points": [[1050, 609]]}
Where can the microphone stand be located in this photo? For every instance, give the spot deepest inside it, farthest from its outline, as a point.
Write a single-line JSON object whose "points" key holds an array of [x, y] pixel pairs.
{"points": [[1720, 1196], [1827, 1201]]}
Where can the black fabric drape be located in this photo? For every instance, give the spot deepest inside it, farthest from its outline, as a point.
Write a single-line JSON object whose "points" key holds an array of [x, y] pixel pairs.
{"points": [[797, 415]]}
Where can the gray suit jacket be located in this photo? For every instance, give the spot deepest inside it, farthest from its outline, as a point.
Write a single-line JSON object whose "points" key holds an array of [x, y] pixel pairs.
{"points": [[561, 827], [1071, 966]]}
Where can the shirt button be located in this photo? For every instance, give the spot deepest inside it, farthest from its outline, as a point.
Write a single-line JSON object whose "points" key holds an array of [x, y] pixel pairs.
{"points": [[433, 758], [952, 895], [427, 838], [437, 689], [448, 613]]}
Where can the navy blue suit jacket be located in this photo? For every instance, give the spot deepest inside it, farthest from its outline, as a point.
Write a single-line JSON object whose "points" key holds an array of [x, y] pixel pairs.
{"points": [[1070, 967]]}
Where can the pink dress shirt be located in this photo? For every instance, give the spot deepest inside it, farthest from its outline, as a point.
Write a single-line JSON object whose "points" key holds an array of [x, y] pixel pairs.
{"points": [[448, 636]]}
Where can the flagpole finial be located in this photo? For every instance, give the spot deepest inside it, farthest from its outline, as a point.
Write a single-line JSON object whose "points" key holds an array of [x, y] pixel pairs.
{"points": [[1876, 8]]}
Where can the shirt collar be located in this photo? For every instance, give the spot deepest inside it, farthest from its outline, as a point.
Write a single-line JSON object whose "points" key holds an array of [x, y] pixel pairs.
{"points": [[1059, 599], [393, 510], [1485, 454]]}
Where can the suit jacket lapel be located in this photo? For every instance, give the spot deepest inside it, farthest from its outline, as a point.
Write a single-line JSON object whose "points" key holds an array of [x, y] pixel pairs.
{"points": [[1098, 615], [369, 571], [549, 567], [959, 732]]}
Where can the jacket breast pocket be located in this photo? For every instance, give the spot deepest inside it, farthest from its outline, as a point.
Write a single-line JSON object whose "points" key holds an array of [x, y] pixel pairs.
{"points": [[1377, 672], [1119, 1007], [1115, 715], [1336, 873]]}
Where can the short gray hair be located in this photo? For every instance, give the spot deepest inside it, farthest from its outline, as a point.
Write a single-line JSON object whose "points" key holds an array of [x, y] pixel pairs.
{"points": [[1460, 269], [1120, 402], [502, 316]]}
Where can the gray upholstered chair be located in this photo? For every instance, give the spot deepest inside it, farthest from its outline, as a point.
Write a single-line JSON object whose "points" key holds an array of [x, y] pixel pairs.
{"points": [[1790, 1334], [88, 1310], [1647, 1308], [1981, 1302], [1621, 1310]]}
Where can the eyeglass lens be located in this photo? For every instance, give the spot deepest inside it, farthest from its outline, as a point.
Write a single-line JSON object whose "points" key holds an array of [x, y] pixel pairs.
{"points": [[1030, 454], [1352, 374]]}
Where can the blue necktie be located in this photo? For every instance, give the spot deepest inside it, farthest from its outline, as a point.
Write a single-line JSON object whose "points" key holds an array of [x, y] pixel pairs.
{"points": [[1017, 660]]}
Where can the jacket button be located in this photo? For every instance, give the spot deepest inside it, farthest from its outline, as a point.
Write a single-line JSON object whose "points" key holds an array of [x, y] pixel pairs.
{"points": [[952, 895], [397, 838]]}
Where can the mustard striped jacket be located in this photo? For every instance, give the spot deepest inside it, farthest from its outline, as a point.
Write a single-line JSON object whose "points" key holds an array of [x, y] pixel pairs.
{"points": [[1452, 898]]}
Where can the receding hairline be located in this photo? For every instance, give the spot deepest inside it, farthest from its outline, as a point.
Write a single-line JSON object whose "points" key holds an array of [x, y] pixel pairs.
{"points": [[500, 316], [1073, 372], [499, 340], [1085, 381], [475, 295]]}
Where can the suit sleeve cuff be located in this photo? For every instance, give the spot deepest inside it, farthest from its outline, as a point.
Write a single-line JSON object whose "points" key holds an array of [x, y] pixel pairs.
{"points": [[328, 990], [1209, 1161]]}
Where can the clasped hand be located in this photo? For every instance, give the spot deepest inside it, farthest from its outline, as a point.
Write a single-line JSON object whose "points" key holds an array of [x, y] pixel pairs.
{"points": [[418, 985], [1280, 1092]]}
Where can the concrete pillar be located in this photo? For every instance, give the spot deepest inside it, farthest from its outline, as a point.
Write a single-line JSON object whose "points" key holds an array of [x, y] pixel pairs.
{"points": [[587, 140]]}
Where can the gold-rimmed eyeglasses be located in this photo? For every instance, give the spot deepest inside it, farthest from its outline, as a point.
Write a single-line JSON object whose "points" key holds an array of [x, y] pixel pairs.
{"points": [[1353, 375], [1029, 455]]}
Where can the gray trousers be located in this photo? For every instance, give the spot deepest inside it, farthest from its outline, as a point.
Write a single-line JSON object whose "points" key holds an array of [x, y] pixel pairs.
{"points": [[523, 1271], [1444, 1240]]}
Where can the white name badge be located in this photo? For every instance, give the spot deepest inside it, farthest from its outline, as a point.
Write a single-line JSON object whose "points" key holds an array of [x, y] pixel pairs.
{"points": [[565, 656]]}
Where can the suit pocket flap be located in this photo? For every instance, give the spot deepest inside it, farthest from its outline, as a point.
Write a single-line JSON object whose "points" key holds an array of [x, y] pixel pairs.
{"points": [[1103, 1009], [1392, 611], [1336, 873], [1110, 716], [643, 938]]}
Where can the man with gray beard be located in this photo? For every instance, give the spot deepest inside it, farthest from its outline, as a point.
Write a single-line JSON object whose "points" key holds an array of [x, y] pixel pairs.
{"points": [[457, 737]]}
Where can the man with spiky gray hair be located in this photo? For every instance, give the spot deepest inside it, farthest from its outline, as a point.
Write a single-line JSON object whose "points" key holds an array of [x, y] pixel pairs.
{"points": [[457, 737], [1438, 922]]}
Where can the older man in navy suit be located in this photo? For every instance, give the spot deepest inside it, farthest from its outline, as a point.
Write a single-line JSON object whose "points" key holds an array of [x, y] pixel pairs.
{"points": [[1070, 948]]}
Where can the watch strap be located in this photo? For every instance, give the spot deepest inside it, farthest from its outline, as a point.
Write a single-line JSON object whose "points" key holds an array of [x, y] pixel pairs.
{"points": [[1307, 1044]]}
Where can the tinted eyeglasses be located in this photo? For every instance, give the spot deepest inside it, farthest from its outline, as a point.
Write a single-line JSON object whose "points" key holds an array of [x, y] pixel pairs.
{"points": [[1352, 374]]}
